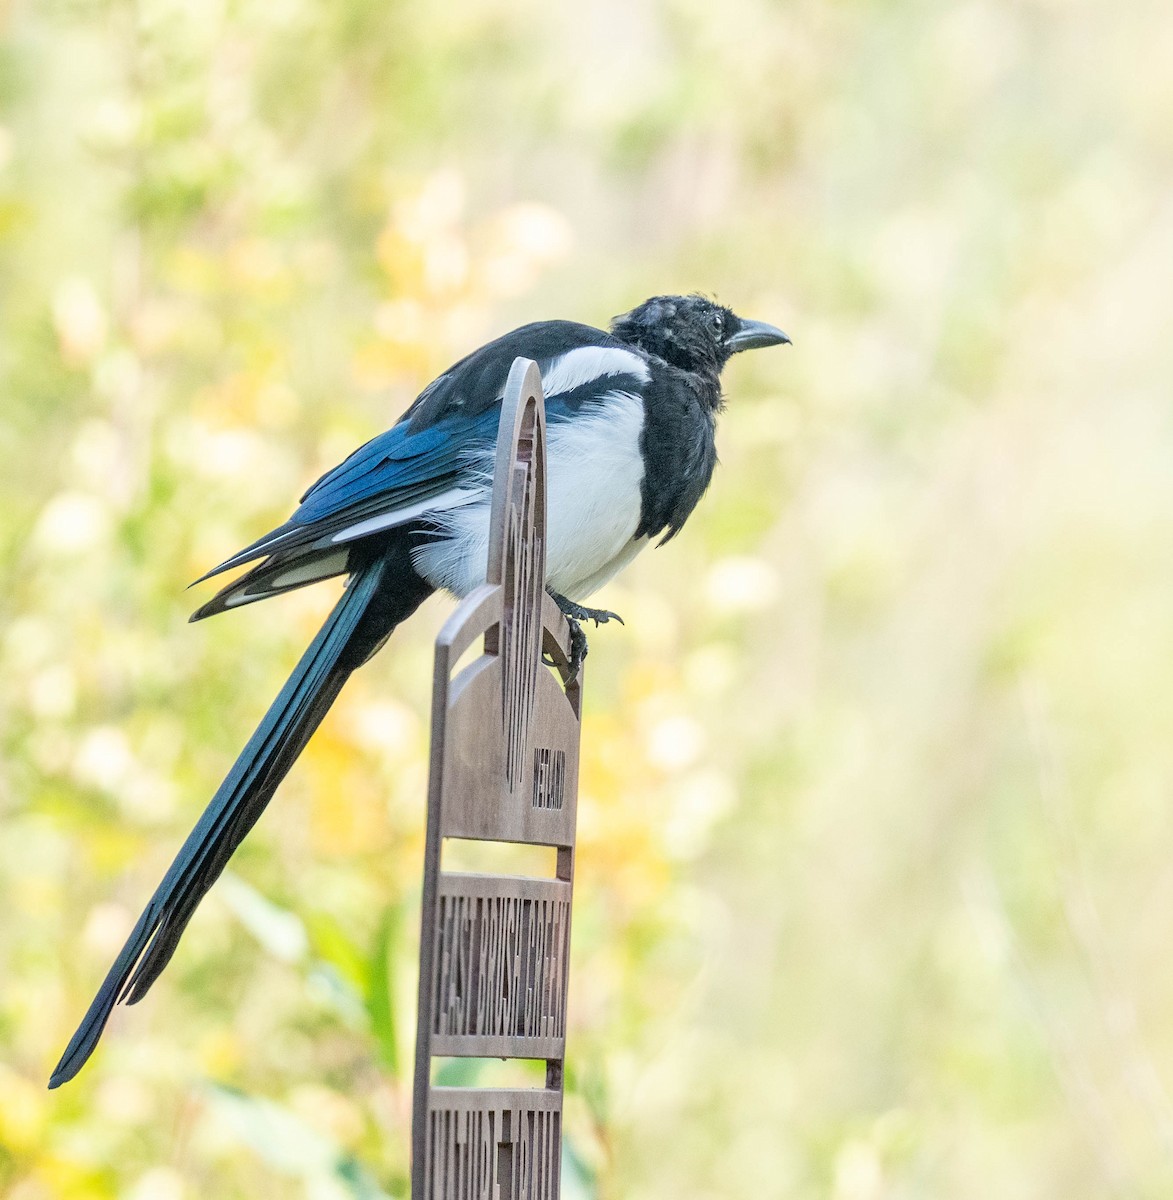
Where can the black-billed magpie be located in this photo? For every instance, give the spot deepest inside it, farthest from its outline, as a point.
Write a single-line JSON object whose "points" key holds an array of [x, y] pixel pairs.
{"points": [[630, 446]]}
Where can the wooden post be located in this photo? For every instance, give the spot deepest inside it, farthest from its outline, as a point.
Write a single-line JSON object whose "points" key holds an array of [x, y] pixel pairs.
{"points": [[494, 949]]}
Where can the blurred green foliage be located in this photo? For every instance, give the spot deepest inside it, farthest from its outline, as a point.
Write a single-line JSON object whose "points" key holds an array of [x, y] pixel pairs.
{"points": [[874, 883]]}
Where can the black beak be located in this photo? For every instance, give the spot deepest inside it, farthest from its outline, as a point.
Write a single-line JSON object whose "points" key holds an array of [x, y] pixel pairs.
{"points": [[753, 335]]}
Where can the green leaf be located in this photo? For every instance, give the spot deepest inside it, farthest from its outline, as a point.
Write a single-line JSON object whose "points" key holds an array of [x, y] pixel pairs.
{"points": [[281, 932], [380, 993], [283, 1140]]}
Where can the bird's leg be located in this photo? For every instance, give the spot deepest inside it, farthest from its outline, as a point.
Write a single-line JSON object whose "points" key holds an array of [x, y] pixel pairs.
{"points": [[577, 612], [578, 649]]}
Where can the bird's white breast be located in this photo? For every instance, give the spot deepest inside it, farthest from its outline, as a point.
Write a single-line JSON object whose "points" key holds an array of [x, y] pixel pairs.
{"points": [[593, 476]]}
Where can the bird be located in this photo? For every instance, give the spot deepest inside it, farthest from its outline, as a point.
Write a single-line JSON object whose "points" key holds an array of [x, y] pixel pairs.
{"points": [[631, 419]]}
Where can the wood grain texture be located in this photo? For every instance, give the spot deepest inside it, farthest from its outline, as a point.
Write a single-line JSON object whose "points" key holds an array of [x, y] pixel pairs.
{"points": [[494, 949]]}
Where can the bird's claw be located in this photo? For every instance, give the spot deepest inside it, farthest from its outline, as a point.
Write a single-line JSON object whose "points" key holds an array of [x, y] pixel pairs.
{"points": [[601, 616], [579, 612]]}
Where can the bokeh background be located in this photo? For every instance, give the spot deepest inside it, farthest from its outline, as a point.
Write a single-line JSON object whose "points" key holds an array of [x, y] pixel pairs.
{"points": [[875, 892]]}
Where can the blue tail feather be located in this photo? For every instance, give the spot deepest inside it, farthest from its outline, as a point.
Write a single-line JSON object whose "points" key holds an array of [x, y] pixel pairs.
{"points": [[361, 620]]}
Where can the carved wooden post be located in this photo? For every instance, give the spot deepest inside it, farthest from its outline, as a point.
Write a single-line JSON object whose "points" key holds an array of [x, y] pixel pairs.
{"points": [[494, 949]]}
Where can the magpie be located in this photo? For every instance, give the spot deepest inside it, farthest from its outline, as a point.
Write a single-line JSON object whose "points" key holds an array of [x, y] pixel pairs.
{"points": [[630, 450]]}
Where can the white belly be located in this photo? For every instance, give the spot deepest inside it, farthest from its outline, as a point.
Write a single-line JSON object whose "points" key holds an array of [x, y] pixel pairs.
{"points": [[593, 476]]}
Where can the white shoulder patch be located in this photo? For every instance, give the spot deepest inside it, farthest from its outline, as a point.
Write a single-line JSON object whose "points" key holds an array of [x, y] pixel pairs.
{"points": [[581, 365]]}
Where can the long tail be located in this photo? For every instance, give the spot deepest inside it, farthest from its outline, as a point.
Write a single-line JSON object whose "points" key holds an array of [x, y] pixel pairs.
{"points": [[378, 596]]}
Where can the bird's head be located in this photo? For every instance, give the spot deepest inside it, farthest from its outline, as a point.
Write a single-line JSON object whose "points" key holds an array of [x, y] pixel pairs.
{"points": [[692, 332]]}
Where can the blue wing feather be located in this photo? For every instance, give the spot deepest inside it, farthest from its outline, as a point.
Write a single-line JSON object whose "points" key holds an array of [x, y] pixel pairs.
{"points": [[392, 463], [426, 452]]}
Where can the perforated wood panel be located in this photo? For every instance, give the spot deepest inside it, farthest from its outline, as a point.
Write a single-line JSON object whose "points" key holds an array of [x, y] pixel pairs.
{"points": [[494, 949]]}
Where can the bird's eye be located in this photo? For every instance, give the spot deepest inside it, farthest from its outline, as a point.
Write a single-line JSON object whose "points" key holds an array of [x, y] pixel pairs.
{"points": [[719, 322]]}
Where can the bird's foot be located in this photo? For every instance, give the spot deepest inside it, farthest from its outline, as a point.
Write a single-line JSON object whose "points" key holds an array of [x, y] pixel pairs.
{"points": [[574, 614], [578, 612]]}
